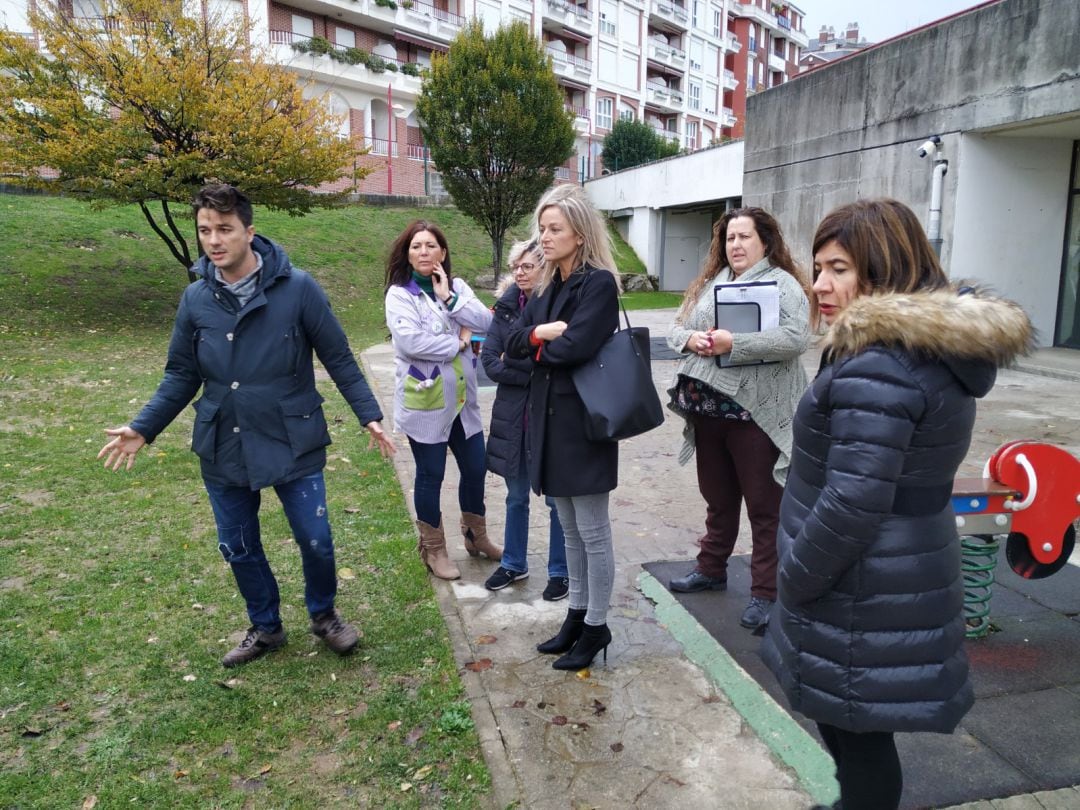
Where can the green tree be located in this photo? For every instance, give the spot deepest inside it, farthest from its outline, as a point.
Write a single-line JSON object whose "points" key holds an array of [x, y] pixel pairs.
{"points": [[631, 143], [144, 105], [496, 122]]}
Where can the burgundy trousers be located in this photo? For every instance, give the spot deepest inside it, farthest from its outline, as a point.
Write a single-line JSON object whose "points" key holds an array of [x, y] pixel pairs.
{"points": [[735, 461]]}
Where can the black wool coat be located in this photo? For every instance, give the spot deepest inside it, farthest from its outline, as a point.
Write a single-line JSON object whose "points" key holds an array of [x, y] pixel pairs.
{"points": [[506, 432], [562, 462], [868, 630]]}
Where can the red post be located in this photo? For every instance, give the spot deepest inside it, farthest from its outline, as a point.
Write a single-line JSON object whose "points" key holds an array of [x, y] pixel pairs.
{"points": [[389, 139]]}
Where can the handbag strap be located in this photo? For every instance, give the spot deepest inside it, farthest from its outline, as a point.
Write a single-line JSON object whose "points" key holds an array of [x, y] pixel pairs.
{"points": [[622, 306]]}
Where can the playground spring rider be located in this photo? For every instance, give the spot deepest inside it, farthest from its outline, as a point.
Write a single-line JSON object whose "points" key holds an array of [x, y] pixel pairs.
{"points": [[1030, 492]]}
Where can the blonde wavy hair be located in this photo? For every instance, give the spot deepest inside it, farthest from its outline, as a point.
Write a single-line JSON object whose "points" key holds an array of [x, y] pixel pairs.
{"points": [[587, 223]]}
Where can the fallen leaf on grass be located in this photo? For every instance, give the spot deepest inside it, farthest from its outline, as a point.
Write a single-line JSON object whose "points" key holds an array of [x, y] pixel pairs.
{"points": [[179, 774], [558, 720], [232, 683], [30, 732], [63, 705], [89, 803], [413, 737], [616, 747], [346, 573], [190, 678], [406, 787], [486, 639], [422, 772], [479, 666], [333, 677], [351, 510], [265, 769], [394, 726]]}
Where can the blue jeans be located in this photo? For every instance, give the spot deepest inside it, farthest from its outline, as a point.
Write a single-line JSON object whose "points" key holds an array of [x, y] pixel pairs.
{"points": [[236, 511], [516, 533], [431, 468]]}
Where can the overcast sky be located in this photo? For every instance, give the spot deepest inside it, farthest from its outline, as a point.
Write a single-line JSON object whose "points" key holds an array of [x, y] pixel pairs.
{"points": [[13, 14], [878, 20]]}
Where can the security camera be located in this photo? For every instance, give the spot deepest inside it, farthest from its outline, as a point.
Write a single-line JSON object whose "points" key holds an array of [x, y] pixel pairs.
{"points": [[929, 147]]}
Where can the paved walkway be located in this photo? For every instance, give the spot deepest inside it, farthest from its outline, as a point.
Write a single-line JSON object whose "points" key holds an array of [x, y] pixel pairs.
{"points": [[670, 721]]}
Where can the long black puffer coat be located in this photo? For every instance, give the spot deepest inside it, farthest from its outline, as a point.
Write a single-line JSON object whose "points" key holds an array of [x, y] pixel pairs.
{"points": [[507, 430], [868, 631]]}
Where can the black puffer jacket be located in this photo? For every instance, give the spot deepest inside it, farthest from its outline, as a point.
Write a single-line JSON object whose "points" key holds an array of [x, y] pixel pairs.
{"points": [[506, 433], [867, 633]]}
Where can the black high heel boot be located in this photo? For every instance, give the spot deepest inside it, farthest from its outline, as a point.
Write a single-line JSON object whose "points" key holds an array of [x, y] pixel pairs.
{"points": [[593, 639], [568, 634]]}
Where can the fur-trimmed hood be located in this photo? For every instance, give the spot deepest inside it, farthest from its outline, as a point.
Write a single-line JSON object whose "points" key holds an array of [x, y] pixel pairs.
{"points": [[966, 328]]}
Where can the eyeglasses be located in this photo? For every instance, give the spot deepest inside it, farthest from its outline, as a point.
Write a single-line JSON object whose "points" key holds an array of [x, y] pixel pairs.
{"points": [[524, 267]]}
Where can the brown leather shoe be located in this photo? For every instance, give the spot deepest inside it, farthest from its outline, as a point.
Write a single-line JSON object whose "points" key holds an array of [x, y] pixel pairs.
{"points": [[255, 644], [432, 548], [474, 529], [339, 635]]}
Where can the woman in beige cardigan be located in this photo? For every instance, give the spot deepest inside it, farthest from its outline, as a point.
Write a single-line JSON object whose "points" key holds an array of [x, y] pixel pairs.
{"points": [[738, 417]]}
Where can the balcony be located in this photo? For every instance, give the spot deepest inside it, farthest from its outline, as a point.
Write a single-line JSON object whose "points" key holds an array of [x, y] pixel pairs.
{"points": [[730, 82], [568, 65], [757, 14], [733, 44], [777, 62], [379, 146], [574, 17], [668, 135], [424, 18], [664, 96], [417, 152], [348, 64], [727, 117], [667, 55], [581, 117], [672, 14]]}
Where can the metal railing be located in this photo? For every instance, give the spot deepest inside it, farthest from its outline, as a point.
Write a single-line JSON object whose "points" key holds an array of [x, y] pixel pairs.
{"points": [[289, 37], [437, 13], [576, 61]]}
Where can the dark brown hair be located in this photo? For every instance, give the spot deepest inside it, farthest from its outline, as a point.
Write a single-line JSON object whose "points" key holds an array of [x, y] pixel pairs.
{"points": [[398, 269], [776, 251], [224, 199], [887, 245]]}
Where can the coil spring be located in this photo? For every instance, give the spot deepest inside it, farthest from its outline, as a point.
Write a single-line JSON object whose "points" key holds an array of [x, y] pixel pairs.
{"points": [[977, 566]]}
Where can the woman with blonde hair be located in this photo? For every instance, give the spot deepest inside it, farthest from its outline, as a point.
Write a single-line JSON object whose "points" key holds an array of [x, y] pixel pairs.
{"points": [[506, 450], [738, 416], [573, 311]]}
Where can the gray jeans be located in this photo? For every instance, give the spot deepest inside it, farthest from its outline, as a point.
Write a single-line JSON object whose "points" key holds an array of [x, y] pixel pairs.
{"points": [[590, 558]]}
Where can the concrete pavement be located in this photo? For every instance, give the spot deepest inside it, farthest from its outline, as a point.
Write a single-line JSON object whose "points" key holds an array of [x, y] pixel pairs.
{"points": [[670, 721]]}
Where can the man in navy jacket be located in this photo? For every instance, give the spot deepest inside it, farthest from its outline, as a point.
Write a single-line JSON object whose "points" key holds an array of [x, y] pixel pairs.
{"points": [[244, 333]]}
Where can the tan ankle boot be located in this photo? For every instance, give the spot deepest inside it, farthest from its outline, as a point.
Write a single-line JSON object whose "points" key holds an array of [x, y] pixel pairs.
{"points": [[432, 548], [474, 528]]}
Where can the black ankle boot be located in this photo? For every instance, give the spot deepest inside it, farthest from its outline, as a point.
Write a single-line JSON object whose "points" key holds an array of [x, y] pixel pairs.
{"points": [[568, 634], [593, 639]]}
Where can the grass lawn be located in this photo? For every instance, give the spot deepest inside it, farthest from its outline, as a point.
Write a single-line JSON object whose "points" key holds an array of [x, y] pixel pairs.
{"points": [[115, 605]]}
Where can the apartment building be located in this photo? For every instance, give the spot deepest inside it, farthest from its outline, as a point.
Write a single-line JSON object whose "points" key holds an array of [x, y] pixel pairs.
{"points": [[684, 67], [772, 38]]}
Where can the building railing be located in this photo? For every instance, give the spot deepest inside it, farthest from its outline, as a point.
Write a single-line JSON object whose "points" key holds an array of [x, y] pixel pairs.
{"points": [[783, 22], [576, 61], [562, 173], [437, 13], [378, 146], [390, 63], [578, 112], [673, 11], [414, 151]]}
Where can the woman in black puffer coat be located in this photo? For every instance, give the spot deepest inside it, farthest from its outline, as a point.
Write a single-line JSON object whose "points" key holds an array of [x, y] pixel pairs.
{"points": [[867, 634]]}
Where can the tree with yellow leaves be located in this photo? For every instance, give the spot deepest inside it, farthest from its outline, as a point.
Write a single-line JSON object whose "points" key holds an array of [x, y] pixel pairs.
{"points": [[147, 104]]}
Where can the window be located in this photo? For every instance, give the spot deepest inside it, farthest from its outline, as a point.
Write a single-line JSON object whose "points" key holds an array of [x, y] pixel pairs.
{"points": [[604, 108], [697, 51], [626, 114], [694, 14], [344, 37], [607, 25], [691, 134], [695, 96], [303, 26], [716, 24], [87, 8]]}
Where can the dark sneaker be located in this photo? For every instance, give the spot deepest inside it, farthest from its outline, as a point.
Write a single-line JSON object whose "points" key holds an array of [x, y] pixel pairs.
{"points": [[339, 635], [255, 644], [503, 577], [756, 615], [557, 588], [697, 581]]}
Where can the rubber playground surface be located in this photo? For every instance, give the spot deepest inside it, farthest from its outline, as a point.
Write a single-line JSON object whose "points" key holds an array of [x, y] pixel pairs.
{"points": [[1023, 734]]}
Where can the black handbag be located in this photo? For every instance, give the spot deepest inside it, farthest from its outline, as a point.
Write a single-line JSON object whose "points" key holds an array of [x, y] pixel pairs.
{"points": [[617, 388]]}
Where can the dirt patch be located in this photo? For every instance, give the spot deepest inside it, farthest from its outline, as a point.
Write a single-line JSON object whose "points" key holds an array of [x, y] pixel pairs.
{"points": [[12, 584], [35, 497], [326, 764]]}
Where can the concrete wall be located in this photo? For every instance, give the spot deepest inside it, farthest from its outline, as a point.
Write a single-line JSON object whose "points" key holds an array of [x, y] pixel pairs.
{"points": [[851, 129], [664, 210], [1011, 206]]}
